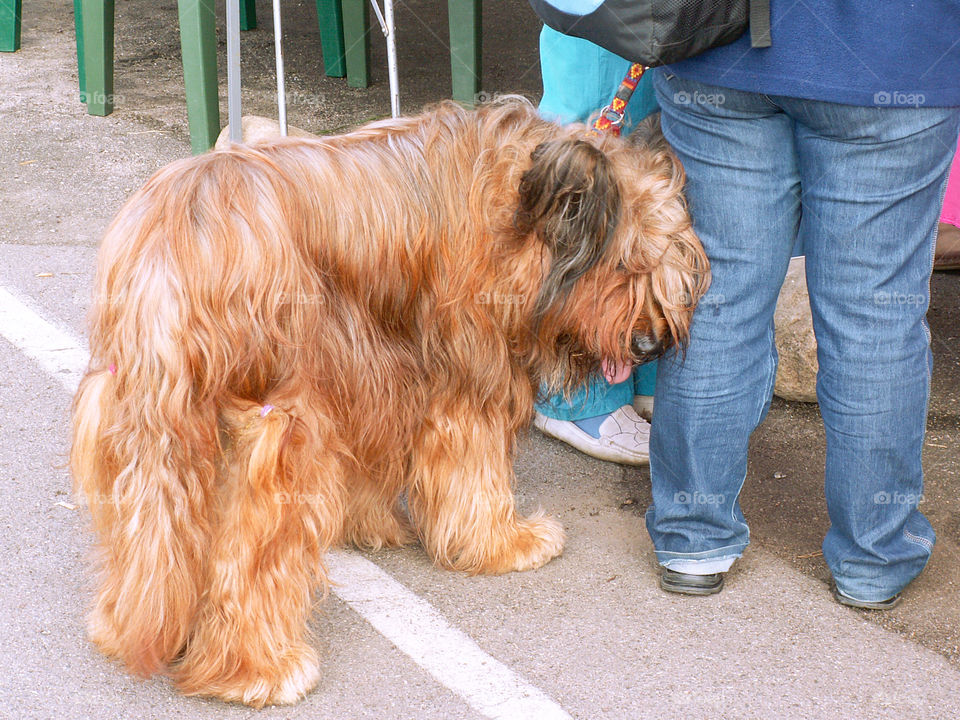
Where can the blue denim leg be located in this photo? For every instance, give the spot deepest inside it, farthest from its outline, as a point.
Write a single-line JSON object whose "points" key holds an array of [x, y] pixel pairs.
{"points": [[873, 183], [743, 186], [580, 78]]}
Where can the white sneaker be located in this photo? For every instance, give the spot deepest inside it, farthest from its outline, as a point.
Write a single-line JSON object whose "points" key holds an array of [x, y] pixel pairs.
{"points": [[624, 436]]}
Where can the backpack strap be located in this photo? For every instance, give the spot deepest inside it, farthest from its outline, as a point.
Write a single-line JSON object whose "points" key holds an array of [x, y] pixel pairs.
{"points": [[759, 23]]}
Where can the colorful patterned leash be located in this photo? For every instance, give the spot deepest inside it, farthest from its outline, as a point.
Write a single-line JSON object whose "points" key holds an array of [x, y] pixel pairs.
{"points": [[612, 116]]}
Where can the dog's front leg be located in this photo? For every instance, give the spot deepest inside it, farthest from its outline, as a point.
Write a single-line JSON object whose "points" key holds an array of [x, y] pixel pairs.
{"points": [[461, 496]]}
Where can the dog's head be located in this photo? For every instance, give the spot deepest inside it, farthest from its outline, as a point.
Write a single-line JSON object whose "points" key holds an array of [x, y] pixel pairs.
{"points": [[623, 269]]}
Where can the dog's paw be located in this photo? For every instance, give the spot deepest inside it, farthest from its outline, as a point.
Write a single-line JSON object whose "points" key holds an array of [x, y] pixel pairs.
{"points": [[374, 531], [103, 634], [141, 656], [539, 540], [284, 683], [536, 540]]}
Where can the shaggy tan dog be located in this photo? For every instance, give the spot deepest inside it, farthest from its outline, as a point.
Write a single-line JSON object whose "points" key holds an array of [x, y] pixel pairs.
{"points": [[289, 338]]}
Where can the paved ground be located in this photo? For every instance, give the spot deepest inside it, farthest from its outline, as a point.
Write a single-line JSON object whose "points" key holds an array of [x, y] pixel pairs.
{"points": [[590, 630]]}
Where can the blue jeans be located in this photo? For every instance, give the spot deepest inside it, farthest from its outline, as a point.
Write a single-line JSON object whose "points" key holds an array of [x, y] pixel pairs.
{"points": [[861, 188], [580, 78]]}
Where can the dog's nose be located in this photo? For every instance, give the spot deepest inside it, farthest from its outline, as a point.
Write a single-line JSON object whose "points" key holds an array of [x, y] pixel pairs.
{"points": [[645, 348]]}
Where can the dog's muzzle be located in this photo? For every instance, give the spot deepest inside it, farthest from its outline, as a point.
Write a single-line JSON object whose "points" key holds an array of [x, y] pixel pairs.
{"points": [[646, 348]]}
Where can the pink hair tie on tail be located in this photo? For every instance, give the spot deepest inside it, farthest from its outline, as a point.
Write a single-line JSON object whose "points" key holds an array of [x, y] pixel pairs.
{"points": [[112, 369], [265, 410]]}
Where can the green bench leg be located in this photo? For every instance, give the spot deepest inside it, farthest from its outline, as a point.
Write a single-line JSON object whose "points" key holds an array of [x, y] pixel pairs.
{"points": [[248, 15], [78, 26], [356, 26], [198, 48], [330, 19], [10, 11], [97, 41], [465, 46]]}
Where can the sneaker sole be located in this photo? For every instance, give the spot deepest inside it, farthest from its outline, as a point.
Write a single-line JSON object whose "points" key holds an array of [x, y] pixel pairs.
{"points": [[681, 588], [887, 604]]}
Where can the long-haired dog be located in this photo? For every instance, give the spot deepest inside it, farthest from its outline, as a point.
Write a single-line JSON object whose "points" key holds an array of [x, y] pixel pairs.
{"points": [[290, 338]]}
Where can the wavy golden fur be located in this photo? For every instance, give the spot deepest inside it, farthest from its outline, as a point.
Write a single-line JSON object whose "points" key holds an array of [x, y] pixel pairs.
{"points": [[288, 338]]}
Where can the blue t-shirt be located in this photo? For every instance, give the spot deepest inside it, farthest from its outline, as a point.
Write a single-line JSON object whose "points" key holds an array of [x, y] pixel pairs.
{"points": [[892, 53]]}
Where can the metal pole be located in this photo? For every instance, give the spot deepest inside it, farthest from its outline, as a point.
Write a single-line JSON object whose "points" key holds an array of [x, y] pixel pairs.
{"points": [[281, 89], [392, 59], [233, 71], [388, 27]]}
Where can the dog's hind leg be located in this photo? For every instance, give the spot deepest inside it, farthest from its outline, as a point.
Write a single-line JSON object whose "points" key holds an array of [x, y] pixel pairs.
{"points": [[146, 464], [461, 498], [282, 508]]}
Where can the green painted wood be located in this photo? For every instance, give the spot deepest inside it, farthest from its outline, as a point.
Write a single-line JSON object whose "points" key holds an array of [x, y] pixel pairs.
{"points": [[465, 47], [356, 26], [330, 19], [248, 14], [198, 47], [97, 40], [78, 27], [10, 11]]}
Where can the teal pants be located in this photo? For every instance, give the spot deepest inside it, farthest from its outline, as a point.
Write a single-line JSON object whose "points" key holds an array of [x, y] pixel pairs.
{"points": [[579, 78]]}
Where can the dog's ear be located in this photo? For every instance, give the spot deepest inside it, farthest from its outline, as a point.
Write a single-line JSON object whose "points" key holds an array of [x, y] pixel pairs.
{"points": [[569, 198]]}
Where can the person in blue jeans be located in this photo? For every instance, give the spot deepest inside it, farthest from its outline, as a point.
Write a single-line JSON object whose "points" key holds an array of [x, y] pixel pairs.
{"points": [[839, 136], [580, 78]]}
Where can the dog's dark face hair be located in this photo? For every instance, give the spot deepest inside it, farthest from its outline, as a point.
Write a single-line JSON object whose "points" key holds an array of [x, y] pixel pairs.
{"points": [[571, 197], [625, 269]]}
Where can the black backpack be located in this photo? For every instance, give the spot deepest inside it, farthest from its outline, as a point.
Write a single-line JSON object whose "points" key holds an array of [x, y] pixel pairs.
{"points": [[658, 32]]}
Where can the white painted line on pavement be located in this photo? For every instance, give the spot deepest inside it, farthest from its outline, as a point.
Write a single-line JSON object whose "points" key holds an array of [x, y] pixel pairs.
{"points": [[418, 630], [410, 623], [56, 351]]}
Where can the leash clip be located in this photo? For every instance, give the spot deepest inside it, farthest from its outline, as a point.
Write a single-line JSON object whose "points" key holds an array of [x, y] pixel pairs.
{"points": [[613, 116]]}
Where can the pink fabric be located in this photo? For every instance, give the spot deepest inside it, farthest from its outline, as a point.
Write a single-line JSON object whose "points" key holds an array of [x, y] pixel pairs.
{"points": [[951, 202]]}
